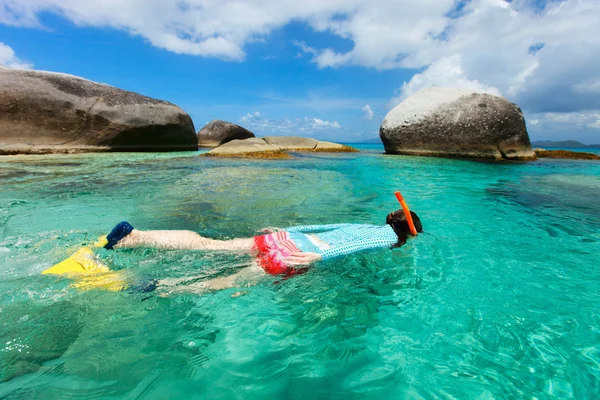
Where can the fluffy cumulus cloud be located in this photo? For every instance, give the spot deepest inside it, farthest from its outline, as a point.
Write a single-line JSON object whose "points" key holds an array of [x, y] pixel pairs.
{"points": [[289, 127], [10, 60], [445, 72], [368, 113], [544, 58], [567, 121], [383, 31], [542, 54]]}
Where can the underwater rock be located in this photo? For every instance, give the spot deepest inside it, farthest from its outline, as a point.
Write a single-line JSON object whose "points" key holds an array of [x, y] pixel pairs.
{"points": [[567, 154], [276, 147], [36, 334], [451, 122], [218, 132], [48, 112]]}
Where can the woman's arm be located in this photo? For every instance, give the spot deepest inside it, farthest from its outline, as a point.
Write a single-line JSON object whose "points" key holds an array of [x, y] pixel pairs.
{"points": [[304, 258]]}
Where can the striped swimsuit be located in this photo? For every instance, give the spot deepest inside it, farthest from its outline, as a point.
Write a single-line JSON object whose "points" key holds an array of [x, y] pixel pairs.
{"points": [[327, 240]]}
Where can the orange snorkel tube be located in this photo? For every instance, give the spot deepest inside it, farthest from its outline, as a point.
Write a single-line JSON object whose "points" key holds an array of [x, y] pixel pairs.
{"points": [[406, 210]]}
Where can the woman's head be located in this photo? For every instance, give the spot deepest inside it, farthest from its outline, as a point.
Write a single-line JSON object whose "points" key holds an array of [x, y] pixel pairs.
{"points": [[397, 220]]}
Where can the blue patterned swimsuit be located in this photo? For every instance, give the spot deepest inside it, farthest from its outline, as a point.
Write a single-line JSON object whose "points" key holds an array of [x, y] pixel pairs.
{"points": [[341, 239]]}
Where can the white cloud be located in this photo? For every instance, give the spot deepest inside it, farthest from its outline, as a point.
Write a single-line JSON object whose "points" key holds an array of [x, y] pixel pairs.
{"points": [[10, 60], [542, 55], [250, 117], [592, 86], [368, 112], [581, 125], [446, 72], [567, 121], [305, 48], [287, 127], [318, 123], [383, 32]]}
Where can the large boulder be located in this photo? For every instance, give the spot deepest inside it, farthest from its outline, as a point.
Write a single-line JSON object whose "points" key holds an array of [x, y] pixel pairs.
{"points": [[456, 123], [46, 112], [218, 132], [248, 148]]}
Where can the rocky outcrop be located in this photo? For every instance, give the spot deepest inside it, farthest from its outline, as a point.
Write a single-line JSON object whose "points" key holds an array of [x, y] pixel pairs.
{"points": [[248, 148], [566, 154], [329, 147], [292, 143], [456, 123], [46, 112], [300, 144], [217, 133], [276, 147]]}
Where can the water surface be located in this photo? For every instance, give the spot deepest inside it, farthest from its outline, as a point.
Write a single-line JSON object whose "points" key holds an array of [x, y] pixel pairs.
{"points": [[498, 299]]}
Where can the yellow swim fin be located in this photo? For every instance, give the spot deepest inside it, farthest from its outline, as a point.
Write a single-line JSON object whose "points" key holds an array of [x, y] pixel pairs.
{"points": [[101, 242], [83, 261], [112, 281], [91, 272], [68, 266]]}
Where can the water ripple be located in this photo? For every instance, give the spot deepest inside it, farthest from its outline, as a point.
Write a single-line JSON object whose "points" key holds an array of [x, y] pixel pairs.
{"points": [[497, 299]]}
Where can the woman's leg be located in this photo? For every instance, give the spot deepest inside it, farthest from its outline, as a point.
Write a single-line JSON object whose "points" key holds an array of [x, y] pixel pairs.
{"points": [[243, 278], [182, 240]]}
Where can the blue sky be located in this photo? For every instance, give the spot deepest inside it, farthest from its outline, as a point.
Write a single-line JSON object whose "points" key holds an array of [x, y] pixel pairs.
{"points": [[329, 69]]}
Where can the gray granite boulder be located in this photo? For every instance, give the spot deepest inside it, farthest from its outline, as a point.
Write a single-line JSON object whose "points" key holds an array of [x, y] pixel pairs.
{"points": [[248, 148], [46, 112], [456, 123], [218, 132]]}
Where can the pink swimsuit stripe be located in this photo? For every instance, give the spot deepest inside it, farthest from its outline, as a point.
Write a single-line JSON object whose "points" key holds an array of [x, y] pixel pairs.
{"points": [[279, 241], [272, 249]]}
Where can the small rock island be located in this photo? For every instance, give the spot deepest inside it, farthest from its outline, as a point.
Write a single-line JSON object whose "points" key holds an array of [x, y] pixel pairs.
{"points": [[225, 139], [450, 122]]}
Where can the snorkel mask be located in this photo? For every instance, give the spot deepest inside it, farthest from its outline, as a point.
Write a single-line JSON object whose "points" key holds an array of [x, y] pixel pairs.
{"points": [[406, 210]]}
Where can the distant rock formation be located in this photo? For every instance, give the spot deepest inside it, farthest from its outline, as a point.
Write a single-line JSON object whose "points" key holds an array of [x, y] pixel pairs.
{"points": [[330, 147], [248, 148], [276, 147], [292, 143], [573, 144], [451, 122], [371, 141], [47, 112], [572, 155], [218, 132]]}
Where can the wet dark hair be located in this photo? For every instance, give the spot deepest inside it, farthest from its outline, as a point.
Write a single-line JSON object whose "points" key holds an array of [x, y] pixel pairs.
{"points": [[397, 220]]}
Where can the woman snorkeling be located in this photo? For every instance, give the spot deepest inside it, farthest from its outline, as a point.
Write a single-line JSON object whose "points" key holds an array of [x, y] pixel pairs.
{"points": [[284, 252]]}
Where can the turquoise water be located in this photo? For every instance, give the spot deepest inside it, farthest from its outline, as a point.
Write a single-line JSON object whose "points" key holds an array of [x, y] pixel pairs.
{"points": [[499, 298]]}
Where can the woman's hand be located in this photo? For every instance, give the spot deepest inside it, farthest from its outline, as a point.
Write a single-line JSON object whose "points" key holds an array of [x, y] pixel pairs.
{"points": [[269, 229], [302, 258]]}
